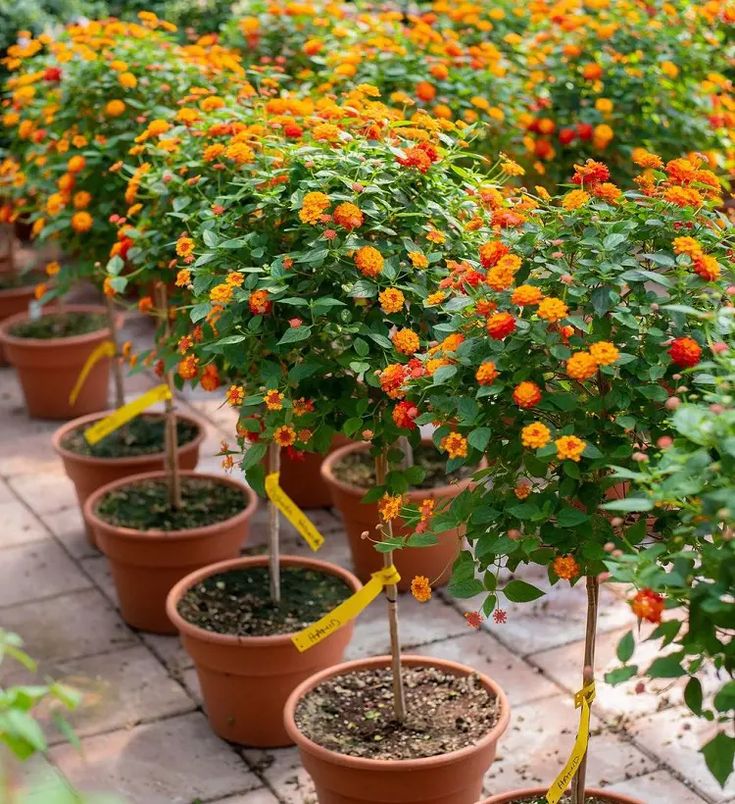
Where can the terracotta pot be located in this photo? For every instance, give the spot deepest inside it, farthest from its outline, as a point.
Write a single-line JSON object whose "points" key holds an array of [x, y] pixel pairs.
{"points": [[13, 301], [48, 367], [434, 562], [246, 681], [146, 564], [302, 479], [89, 473], [519, 795], [453, 778]]}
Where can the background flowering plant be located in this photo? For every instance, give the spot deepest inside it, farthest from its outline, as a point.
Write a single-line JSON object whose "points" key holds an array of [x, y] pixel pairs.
{"points": [[685, 584], [574, 337], [75, 107]]}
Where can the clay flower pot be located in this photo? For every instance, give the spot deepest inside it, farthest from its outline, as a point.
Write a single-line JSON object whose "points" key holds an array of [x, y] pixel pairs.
{"points": [[453, 778], [48, 367], [13, 301], [88, 473], [246, 680], [434, 562], [519, 795], [146, 564], [302, 479]]}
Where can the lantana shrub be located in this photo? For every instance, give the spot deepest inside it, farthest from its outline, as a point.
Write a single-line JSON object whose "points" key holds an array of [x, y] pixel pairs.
{"points": [[684, 583], [76, 104], [573, 338]]}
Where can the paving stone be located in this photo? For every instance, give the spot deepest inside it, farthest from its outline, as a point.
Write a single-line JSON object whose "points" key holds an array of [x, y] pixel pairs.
{"points": [[68, 527], [261, 796], [170, 651], [77, 624], [45, 493], [420, 624], [281, 768], [520, 681], [539, 739], [36, 570], [19, 525], [118, 689], [28, 452], [658, 787], [172, 761], [98, 569], [675, 736], [6, 493], [190, 680], [620, 701]]}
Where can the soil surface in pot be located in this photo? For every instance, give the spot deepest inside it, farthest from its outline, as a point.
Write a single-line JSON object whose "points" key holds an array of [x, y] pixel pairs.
{"points": [[353, 713], [237, 602], [60, 325], [144, 435], [564, 800], [9, 281], [145, 505], [358, 468]]}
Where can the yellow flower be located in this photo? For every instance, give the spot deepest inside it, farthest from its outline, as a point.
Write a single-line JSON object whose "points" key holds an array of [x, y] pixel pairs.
{"points": [[221, 294], [421, 588], [81, 221], [313, 207], [390, 506], [114, 108], [535, 435], [418, 260], [406, 341], [127, 80], [569, 448], [581, 366], [604, 353], [455, 445], [391, 300], [575, 199], [552, 309]]}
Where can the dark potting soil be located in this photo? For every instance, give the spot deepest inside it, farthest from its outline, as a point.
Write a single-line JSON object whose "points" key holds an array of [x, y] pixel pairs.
{"points": [[353, 714], [145, 506], [565, 800], [238, 602], [144, 435], [60, 325], [358, 468]]}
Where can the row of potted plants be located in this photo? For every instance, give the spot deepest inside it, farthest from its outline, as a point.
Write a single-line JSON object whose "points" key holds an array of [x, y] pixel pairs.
{"points": [[387, 280]]}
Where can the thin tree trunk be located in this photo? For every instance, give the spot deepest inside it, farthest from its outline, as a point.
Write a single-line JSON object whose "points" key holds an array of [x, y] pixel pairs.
{"points": [[588, 674], [173, 477], [117, 357], [391, 596], [274, 526]]}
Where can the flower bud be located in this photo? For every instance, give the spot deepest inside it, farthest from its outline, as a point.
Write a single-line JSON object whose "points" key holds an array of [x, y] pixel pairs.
{"points": [[672, 403]]}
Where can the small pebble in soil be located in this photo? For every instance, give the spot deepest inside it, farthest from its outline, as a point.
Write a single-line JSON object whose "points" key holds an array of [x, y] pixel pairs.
{"points": [[353, 714], [238, 602]]}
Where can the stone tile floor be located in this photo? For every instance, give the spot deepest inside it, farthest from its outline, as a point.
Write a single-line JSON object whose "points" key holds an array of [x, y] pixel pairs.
{"points": [[142, 729]]}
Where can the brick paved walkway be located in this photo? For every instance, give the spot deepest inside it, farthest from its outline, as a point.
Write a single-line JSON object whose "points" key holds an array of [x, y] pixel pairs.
{"points": [[142, 730]]}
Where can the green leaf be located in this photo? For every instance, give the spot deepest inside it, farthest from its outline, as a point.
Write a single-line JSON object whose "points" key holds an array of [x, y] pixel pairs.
{"points": [[465, 587], [210, 238], [666, 667], [693, 695], [479, 438], [621, 674], [719, 754], [625, 648], [521, 592], [570, 517], [725, 698], [295, 334], [629, 504]]}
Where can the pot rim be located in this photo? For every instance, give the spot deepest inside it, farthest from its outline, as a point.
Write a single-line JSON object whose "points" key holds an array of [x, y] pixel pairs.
{"points": [[40, 343], [304, 743], [524, 792], [122, 532], [184, 627], [61, 432], [332, 458]]}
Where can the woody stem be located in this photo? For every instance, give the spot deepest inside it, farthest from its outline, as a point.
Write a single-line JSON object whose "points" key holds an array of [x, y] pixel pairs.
{"points": [[588, 673], [116, 358], [391, 596], [274, 523]]}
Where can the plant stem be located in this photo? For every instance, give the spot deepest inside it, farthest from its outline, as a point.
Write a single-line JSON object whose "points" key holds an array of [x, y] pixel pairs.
{"points": [[116, 358], [391, 596], [274, 525], [173, 478], [405, 446], [588, 674]]}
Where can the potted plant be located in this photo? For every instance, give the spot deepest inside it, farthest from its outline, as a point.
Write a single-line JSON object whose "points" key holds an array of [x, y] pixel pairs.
{"points": [[157, 527], [49, 352], [564, 372], [292, 310], [683, 576]]}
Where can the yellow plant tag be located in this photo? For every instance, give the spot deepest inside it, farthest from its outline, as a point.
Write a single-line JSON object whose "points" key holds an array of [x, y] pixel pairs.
{"points": [[582, 699], [292, 512], [105, 349], [124, 414], [346, 611]]}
